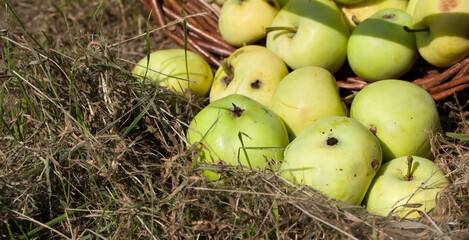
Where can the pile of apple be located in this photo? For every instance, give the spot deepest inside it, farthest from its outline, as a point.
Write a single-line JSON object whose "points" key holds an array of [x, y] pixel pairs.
{"points": [[277, 105]]}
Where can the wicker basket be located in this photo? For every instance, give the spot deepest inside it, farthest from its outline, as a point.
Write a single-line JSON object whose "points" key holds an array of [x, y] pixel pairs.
{"points": [[204, 38]]}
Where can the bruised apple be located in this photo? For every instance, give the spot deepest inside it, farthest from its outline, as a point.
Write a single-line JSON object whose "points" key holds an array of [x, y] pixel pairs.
{"points": [[364, 9], [253, 71]]}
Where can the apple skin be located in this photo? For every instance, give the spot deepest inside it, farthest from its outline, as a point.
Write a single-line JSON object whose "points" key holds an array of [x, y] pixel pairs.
{"points": [[389, 189], [244, 21], [217, 127], [379, 48], [401, 114], [411, 7], [320, 38], [306, 95], [172, 63], [282, 3], [348, 1], [257, 72], [343, 170], [366, 8], [447, 41]]}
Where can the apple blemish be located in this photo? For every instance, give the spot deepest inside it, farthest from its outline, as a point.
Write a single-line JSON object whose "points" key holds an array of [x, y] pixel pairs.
{"points": [[374, 164], [229, 70], [389, 16], [256, 84], [331, 141], [373, 129]]}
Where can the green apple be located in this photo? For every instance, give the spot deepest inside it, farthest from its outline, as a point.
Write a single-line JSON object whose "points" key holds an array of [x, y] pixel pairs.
{"points": [[443, 39], [401, 114], [309, 33], [411, 7], [404, 186], [366, 8], [306, 95], [243, 22], [335, 155], [379, 48], [227, 125], [168, 68], [253, 71]]}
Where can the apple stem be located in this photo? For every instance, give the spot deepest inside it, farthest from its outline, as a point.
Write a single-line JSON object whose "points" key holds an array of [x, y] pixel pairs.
{"points": [[407, 29], [355, 20], [408, 176], [237, 111], [271, 29], [227, 68]]}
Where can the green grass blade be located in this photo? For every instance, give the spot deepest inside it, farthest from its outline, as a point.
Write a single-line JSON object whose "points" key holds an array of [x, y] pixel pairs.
{"points": [[137, 119], [460, 136]]}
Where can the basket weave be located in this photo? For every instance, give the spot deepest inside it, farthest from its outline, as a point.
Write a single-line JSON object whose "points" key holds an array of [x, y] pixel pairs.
{"points": [[204, 38]]}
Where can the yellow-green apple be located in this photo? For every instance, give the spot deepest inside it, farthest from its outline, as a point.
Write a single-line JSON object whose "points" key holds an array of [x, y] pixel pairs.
{"points": [[304, 96], [442, 30], [243, 22], [335, 155], [252, 70], [379, 48], [401, 114], [237, 130], [411, 7], [168, 68], [404, 186], [309, 33], [366, 8]]}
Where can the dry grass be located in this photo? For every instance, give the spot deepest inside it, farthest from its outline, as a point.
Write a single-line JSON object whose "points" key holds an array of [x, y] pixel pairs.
{"points": [[86, 151]]}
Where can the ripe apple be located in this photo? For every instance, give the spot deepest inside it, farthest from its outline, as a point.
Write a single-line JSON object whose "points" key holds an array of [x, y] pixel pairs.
{"points": [[252, 70], [168, 68], [404, 185], [443, 31], [243, 22], [223, 127], [304, 96], [309, 33], [335, 155], [366, 8], [379, 48], [401, 114]]}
